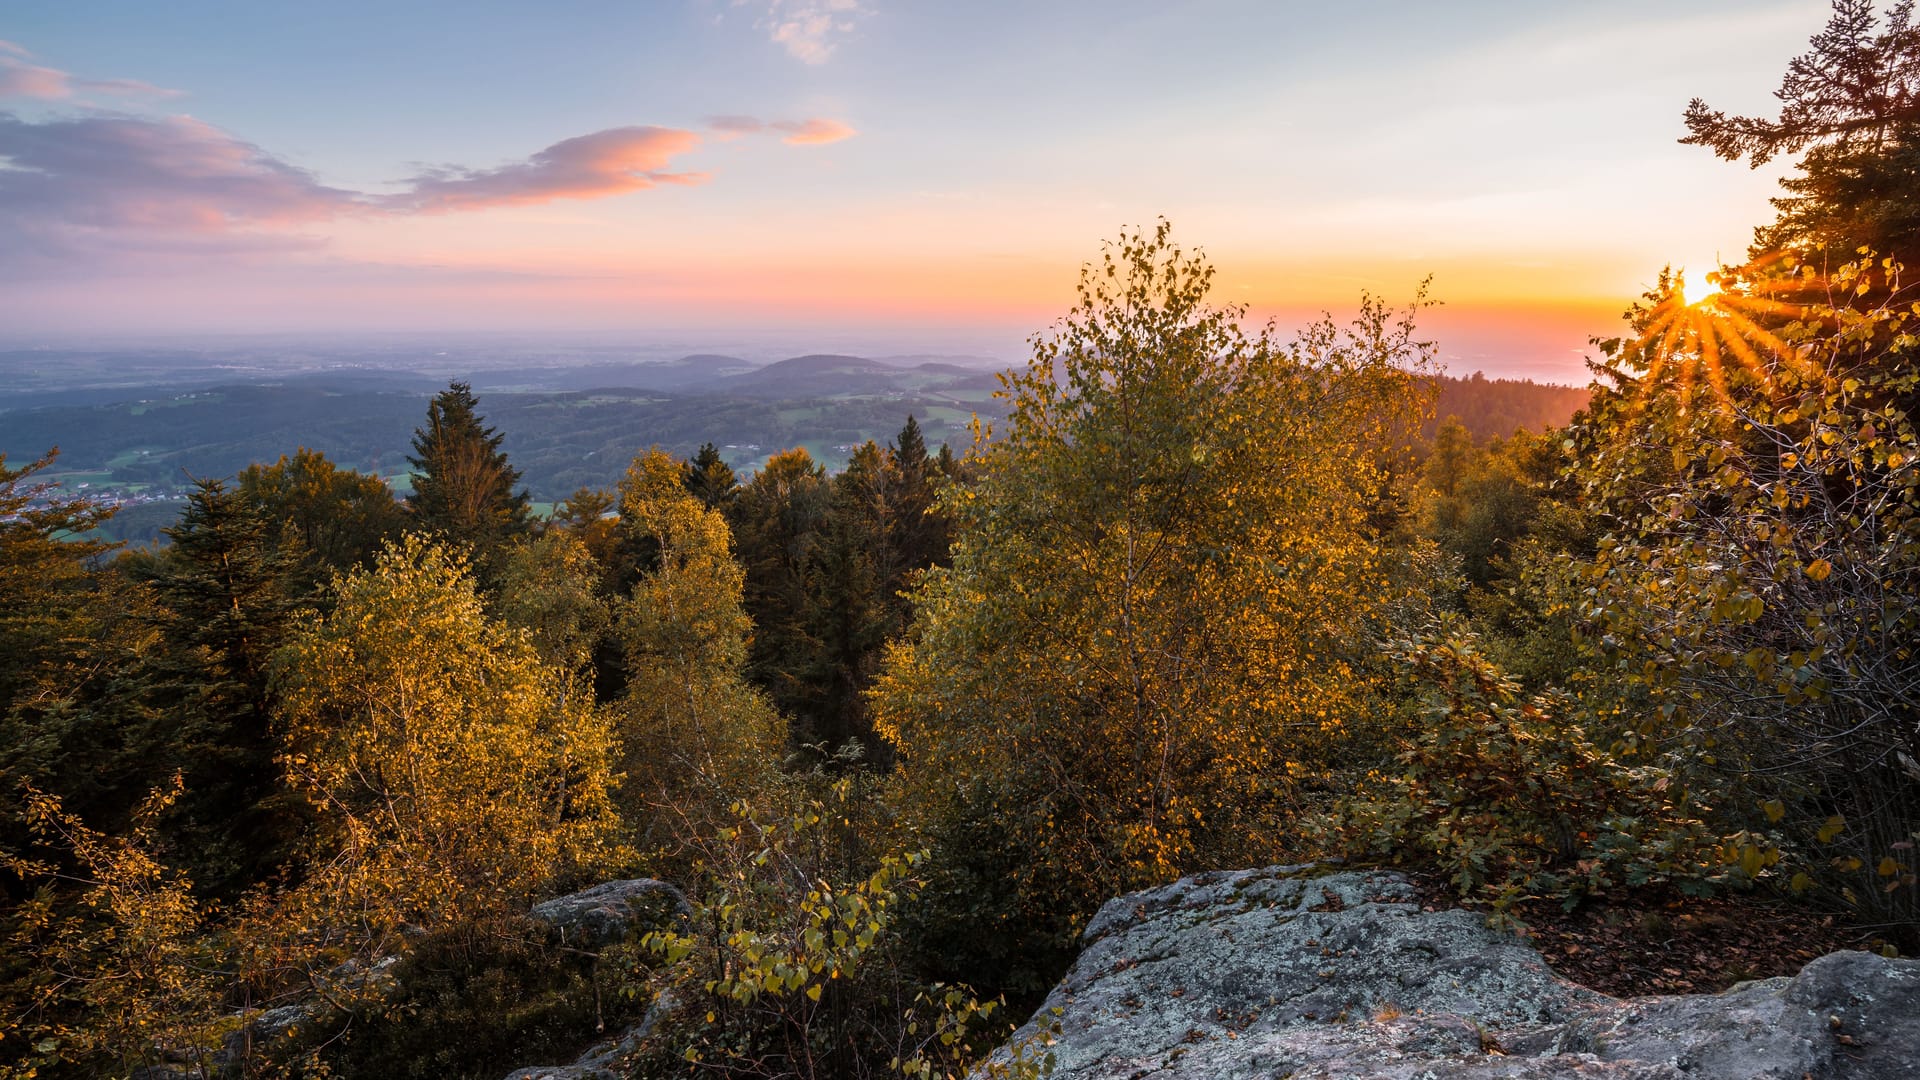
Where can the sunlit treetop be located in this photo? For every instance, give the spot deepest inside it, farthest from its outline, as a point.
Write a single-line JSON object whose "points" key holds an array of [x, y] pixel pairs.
{"points": [[1749, 322], [1850, 106], [1858, 87]]}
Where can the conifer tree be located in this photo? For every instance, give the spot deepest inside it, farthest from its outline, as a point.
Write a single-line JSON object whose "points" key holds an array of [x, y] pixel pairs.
{"points": [[846, 621], [463, 487], [45, 551], [68, 626], [227, 593], [776, 524], [1852, 103], [918, 531], [710, 479]]}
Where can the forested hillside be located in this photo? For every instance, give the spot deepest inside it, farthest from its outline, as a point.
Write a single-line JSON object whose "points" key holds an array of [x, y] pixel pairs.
{"points": [[1210, 597], [1496, 408], [144, 447]]}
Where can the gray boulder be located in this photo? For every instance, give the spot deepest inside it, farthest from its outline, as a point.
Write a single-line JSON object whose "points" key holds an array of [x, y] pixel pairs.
{"points": [[263, 1027], [602, 1060], [605, 913], [1296, 972]]}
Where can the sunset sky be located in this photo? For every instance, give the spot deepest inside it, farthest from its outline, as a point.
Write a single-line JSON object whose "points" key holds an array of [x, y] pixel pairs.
{"points": [[887, 175]]}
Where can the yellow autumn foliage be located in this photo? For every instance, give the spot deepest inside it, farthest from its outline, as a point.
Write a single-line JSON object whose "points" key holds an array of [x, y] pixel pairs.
{"points": [[1163, 581], [448, 772], [696, 735]]}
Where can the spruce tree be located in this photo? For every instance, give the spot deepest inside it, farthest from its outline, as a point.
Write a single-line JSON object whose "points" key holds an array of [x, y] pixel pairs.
{"points": [[45, 555], [1852, 104], [710, 479], [918, 531], [227, 592], [463, 487], [68, 625]]}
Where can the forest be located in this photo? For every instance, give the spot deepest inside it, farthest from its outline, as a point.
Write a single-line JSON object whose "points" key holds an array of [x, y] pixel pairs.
{"points": [[142, 445], [1203, 596]]}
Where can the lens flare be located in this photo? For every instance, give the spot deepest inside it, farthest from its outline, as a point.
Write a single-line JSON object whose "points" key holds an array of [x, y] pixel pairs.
{"points": [[1712, 326], [1699, 281]]}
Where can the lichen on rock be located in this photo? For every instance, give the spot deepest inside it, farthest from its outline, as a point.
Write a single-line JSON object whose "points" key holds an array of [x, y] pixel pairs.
{"points": [[1293, 971]]}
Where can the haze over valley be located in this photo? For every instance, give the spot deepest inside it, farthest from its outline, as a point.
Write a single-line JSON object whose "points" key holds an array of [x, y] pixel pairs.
{"points": [[872, 540]]}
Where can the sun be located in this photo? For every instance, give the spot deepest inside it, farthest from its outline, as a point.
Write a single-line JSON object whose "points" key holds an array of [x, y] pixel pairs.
{"points": [[1699, 333], [1699, 280]]}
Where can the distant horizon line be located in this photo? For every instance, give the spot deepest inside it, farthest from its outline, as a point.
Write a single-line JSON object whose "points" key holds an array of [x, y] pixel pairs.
{"points": [[651, 352]]}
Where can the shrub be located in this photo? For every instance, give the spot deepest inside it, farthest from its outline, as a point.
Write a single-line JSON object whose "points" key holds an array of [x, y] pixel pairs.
{"points": [[478, 1000], [1512, 799], [784, 972]]}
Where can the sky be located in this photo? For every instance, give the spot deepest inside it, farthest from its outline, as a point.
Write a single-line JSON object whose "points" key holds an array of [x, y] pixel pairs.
{"points": [[873, 175]]}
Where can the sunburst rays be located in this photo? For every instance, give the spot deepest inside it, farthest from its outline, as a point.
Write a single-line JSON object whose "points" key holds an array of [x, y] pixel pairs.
{"points": [[1733, 331]]}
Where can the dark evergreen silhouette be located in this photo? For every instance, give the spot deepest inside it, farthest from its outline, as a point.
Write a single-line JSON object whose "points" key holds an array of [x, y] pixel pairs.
{"points": [[227, 592], [710, 479], [1852, 103], [828, 562], [463, 487]]}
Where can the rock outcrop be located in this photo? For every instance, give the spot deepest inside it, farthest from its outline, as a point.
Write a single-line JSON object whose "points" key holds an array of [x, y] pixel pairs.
{"points": [[1296, 972], [605, 913], [601, 1061], [598, 916]]}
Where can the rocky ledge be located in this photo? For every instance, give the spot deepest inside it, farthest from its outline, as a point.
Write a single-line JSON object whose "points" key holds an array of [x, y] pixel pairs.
{"points": [[1296, 972]]}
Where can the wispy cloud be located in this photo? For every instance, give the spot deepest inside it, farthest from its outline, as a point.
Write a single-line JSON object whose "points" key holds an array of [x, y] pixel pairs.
{"points": [[610, 162], [809, 29], [112, 171], [96, 185], [22, 79], [815, 131], [19, 79], [80, 187]]}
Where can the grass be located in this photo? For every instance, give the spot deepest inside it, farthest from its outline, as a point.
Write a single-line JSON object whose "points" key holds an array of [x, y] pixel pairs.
{"points": [[131, 455]]}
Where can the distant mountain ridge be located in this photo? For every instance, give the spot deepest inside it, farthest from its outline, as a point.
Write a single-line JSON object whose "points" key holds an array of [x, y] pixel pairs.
{"points": [[811, 375]]}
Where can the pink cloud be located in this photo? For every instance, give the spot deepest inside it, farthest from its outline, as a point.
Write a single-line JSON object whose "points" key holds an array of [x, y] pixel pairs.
{"points": [[736, 125], [100, 187], [611, 162], [807, 28], [814, 131], [179, 177], [128, 88], [173, 174], [20, 79]]}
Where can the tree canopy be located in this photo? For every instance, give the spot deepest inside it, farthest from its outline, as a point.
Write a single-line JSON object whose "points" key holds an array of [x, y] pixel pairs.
{"points": [[1852, 102], [463, 487], [1161, 585]]}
